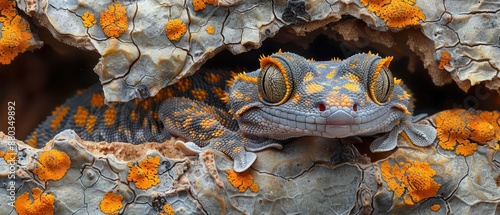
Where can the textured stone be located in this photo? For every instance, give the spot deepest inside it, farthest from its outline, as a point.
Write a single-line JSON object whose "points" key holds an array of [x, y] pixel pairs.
{"points": [[300, 178], [142, 56]]}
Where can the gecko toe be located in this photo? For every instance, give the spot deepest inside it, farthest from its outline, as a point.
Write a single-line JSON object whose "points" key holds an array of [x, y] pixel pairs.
{"points": [[387, 142], [243, 161], [421, 134], [188, 148]]}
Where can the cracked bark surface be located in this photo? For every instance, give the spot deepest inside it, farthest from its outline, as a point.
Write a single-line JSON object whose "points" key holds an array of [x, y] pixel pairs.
{"points": [[300, 178], [143, 60]]}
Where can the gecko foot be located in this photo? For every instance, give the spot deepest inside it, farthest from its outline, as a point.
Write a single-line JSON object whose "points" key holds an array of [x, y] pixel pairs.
{"points": [[418, 134]]}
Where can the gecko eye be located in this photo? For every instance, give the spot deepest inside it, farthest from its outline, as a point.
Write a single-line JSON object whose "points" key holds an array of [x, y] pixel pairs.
{"points": [[275, 80], [381, 85], [272, 84]]}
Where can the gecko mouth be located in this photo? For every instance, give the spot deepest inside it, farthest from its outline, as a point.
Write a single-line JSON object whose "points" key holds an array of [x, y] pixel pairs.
{"points": [[332, 123]]}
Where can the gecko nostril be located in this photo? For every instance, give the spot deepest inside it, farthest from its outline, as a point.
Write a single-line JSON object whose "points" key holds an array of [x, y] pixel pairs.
{"points": [[355, 107], [321, 107]]}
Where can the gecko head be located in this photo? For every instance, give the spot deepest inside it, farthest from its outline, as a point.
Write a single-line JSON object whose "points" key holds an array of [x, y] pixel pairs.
{"points": [[290, 96]]}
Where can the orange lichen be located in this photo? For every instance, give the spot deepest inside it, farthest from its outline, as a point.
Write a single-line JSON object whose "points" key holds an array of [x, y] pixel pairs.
{"points": [[16, 35], [88, 19], [463, 130], [175, 29], [435, 207], [52, 165], [111, 203], [444, 60], [411, 178], [242, 181], [114, 21], [202, 4], [59, 113], [42, 203], [210, 29], [9, 156], [167, 208], [145, 174], [396, 13]]}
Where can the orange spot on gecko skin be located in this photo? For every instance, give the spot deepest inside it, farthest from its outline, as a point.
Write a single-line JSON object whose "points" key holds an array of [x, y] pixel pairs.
{"points": [[308, 77], [396, 13], [199, 94], [183, 85], [167, 208], [16, 34], [411, 178], [81, 116], [202, 4], [110, 116], [97, 100], [444, 60], [52, 165], [213, 78], [59, 113], [207, 123], [219, 92], [237, 95], [218, 133], [42, 203], [331, 74], [33, 140], [321, 66], [175, 29], [111, 203], [114, 21], [145, 174], [89, 127], [88, 19], [242, 181], [435, 207], [335, 99], [462, 130], [133, 116], [146, 104], [313, 88], [210, 29], [352, 87]]}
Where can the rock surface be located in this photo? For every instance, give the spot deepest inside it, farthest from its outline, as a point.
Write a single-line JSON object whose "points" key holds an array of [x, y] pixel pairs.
{"points": [[146, 45]]}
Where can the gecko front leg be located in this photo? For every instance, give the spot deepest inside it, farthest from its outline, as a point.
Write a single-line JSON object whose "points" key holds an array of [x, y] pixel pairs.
{"points": [[206, 126]]}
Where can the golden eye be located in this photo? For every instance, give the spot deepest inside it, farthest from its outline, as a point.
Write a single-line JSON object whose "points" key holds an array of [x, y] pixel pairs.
{"points": [[381, 85], [272, 84]]}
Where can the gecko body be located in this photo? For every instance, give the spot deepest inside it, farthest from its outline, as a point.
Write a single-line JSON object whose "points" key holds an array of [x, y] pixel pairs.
{"points": [[237, 114]]}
